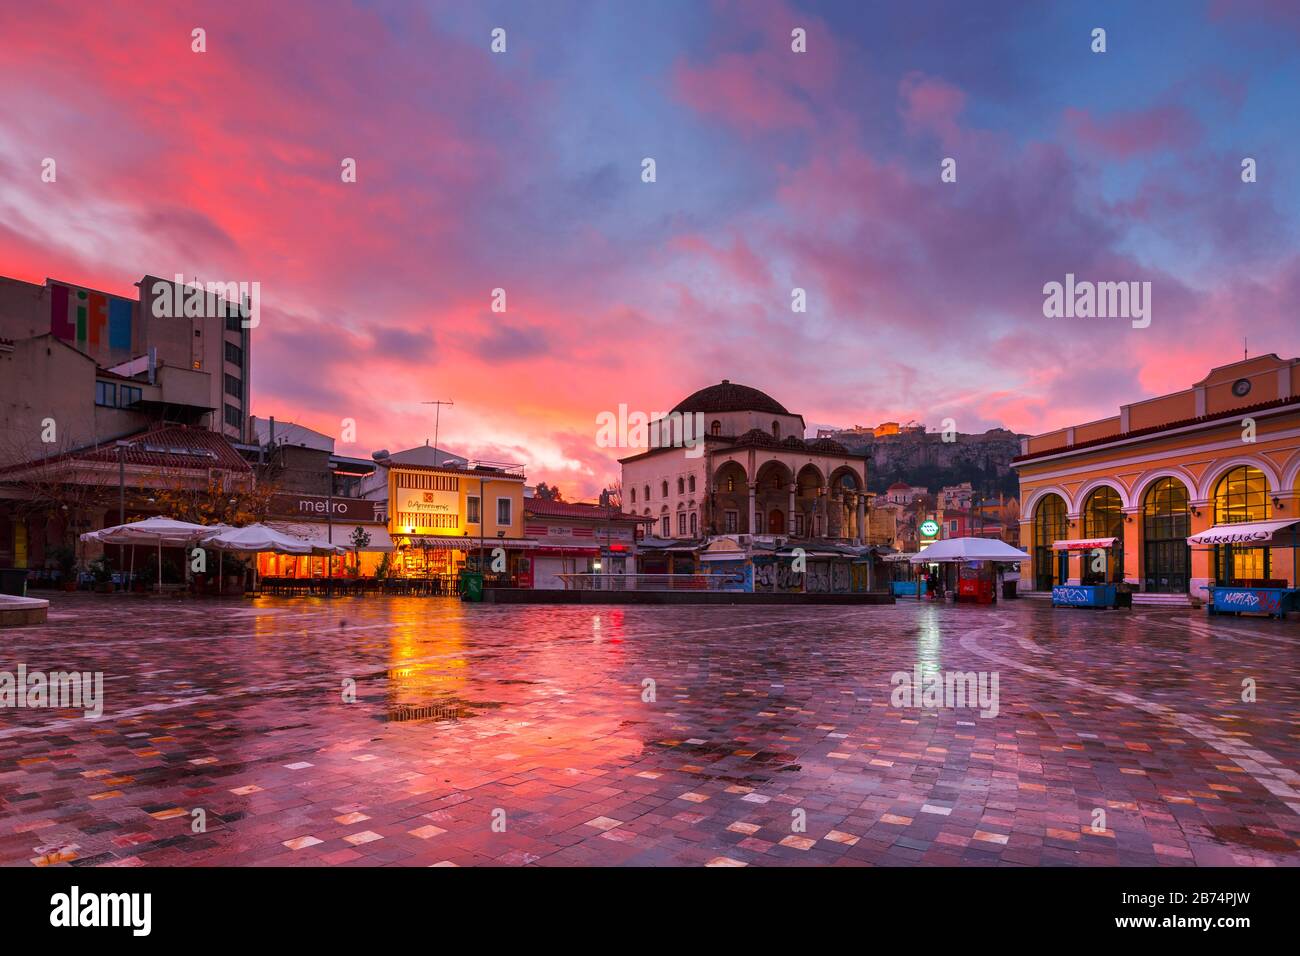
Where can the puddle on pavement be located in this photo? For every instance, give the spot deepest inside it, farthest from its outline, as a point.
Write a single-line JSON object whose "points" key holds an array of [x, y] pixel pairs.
{"points": [[443, 710], [1242, 836]]}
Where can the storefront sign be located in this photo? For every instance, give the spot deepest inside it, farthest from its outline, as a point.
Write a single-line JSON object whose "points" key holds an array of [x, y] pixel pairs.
{"points": [[321, 507], [413, 501], [1084, 544], [1231, 537], [929, 527]]}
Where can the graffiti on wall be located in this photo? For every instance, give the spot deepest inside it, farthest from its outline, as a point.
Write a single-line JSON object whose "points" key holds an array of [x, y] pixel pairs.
{"points": [[822, 577]]}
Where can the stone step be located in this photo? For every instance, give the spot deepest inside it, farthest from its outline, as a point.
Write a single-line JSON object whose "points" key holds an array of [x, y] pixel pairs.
{"points": [[1162, 600]]}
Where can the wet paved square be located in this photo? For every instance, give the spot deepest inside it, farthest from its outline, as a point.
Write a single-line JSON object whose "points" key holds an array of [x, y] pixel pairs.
{"points": [[533, 735]]}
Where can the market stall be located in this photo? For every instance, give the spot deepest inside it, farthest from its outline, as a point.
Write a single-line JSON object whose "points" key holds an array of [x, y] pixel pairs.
{"points": [[904, 581], [1097, 589], [979, 563], [1271, 596]]}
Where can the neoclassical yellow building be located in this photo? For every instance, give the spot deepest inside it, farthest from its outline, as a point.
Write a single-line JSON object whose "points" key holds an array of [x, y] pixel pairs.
{"points": [[438, 516], [1117, 499]]}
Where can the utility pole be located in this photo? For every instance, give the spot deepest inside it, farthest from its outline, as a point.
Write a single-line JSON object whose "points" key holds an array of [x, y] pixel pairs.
{"points": [[437, 420]]}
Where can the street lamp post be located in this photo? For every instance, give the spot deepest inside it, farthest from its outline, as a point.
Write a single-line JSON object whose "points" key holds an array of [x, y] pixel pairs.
{"points": [[121, 492], [482, 519]]}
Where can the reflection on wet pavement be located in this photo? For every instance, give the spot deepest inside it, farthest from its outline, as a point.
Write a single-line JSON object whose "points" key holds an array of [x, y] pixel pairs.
{"points": [[423, 731]]}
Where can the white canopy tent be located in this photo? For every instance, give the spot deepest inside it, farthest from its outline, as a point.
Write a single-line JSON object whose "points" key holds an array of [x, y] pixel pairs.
{"points": [[156, 531], [962, 550], [261, 538], [258, 537]]}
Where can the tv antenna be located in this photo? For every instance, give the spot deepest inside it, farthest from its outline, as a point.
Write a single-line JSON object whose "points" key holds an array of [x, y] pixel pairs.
{"points": [[437, 420]]}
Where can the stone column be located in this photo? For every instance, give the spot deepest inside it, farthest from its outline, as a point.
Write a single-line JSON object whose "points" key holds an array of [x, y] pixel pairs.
{"points": [[1286, 559], [1201, 519], [753, 508], [1074, 529], [1132, 571], [862, 519], [789, 515], [1027, 545]]}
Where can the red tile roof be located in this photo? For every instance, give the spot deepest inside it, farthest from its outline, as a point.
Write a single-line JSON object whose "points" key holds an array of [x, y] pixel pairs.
{"points": [[571, 509], [166, 446]]}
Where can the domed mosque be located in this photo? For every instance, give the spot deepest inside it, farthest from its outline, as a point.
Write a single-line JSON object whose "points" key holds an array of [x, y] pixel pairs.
{"points": [[730, 459]]}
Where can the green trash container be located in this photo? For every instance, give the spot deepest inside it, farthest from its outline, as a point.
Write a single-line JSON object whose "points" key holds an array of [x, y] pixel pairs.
{"points": [[471, 585]]}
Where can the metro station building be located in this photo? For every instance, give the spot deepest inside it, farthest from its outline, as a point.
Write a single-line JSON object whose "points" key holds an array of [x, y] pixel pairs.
{"points": [[1116, 500]]}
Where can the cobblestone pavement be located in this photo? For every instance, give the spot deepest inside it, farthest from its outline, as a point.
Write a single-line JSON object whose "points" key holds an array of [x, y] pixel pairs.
{"points": [[524, 735]]}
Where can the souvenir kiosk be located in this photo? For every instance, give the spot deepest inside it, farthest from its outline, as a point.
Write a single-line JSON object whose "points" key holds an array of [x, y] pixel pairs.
{"points": [[977, 561], [1091, 593], [1271, 596]]}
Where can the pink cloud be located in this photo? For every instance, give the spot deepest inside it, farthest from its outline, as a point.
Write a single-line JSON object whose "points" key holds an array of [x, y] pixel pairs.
{"points": [[931, 105], [1136, 132], [766, 86]]}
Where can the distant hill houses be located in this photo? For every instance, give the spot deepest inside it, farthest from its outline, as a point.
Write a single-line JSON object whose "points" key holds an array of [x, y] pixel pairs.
{"points": [[909, 454]]}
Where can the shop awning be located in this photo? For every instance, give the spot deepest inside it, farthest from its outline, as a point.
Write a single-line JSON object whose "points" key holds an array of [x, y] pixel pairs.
{"points": [[1251, 533], [1084, 544], [434, 542]]}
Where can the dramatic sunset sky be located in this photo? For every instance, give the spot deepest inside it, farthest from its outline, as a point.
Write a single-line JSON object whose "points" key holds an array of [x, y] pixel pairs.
{"points": [[775, 170]]}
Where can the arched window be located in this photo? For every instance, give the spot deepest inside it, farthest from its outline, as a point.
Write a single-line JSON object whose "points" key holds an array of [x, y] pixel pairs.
{"points": [[681, 486], [1050, 567], [633, 496], [665, 489], [690, 484], [694, 525], [1103, 517], [715, 427], [1241, 495], [1166, 523], [647, 492], [776, 429]]}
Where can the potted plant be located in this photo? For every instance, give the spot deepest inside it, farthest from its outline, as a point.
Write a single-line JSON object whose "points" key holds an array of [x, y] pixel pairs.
{"points": [[65, 559], [102, 572], [235, 571]]}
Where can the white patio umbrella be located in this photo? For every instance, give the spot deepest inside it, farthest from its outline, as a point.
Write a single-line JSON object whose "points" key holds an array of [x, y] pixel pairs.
{"points": [[257, 538], [262, 538], [156, 531], [968, 549]]}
